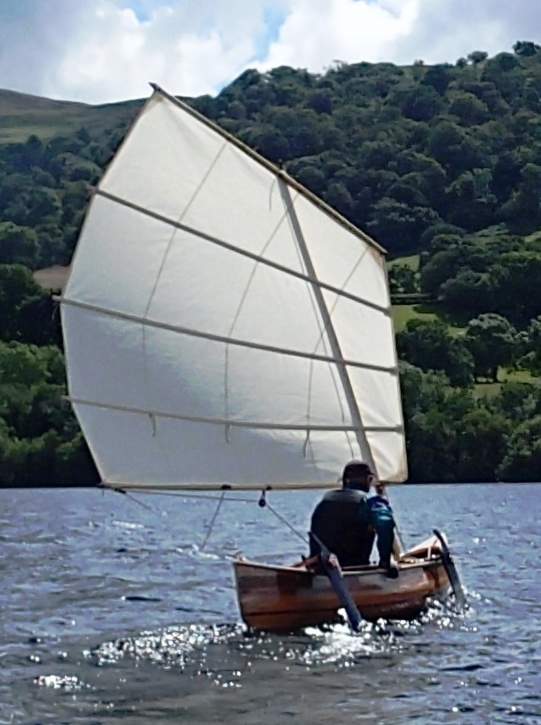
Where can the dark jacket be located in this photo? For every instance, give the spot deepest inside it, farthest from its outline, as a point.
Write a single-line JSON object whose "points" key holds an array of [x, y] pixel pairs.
{"points": [[341, 521]]}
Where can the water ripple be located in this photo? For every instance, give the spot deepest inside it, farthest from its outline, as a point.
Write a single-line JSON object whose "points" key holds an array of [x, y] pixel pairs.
{"points": [[112, 612]]}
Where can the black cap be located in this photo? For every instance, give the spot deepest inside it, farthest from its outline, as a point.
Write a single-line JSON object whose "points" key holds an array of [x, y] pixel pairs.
{"points": [[356, 468]]}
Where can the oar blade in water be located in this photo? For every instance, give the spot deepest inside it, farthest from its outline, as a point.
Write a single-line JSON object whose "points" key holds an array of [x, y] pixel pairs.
{"points": [[332, 569], [452, 573]]}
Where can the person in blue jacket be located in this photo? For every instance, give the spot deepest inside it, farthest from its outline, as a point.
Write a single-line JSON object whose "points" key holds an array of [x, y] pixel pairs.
{"points": [[383, 522]]}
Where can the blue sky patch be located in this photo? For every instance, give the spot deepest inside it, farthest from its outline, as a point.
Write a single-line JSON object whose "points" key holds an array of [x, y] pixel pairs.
{"points": [[273, 20]]}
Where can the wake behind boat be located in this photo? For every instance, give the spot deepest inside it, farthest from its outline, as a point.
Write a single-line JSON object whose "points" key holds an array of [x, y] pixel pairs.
{"points": [[227, 330]]}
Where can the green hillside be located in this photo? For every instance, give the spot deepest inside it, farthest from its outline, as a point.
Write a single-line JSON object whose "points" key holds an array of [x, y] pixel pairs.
{"points": [[23, 115], [440, 164]]}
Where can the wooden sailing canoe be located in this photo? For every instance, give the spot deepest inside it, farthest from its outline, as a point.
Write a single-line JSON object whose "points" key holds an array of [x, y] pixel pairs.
{"points": [[285, 598], [204, 277]]}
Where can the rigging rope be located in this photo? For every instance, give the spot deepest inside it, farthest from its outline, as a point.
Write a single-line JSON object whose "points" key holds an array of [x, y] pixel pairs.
{"points": [[263, 503], [213, 521]]}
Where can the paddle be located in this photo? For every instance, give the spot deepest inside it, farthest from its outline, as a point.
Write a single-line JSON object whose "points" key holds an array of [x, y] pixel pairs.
{"points": [[452, 573], [331, 567]]}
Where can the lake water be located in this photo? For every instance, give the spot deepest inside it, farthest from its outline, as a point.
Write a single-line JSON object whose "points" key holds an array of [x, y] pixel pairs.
{"points": [[112, 611]]}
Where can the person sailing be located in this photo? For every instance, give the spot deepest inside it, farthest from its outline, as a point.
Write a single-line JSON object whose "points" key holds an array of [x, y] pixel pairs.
{"points": [[383, 522], [347, 520]]}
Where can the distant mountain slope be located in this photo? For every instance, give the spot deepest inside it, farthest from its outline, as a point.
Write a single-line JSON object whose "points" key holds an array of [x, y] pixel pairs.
{"points": [[22, 115]]}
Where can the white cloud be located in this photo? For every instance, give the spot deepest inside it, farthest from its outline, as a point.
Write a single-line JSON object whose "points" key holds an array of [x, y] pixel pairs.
{"points": [[107, 50], [189, 47], [317, 32]]}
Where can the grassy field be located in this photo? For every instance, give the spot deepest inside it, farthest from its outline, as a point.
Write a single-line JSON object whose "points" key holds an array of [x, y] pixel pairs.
{"points": [[53, 277], [486, 390], [22, 115], [517, 376], [534, 239], [411, 261], [402, 314]]}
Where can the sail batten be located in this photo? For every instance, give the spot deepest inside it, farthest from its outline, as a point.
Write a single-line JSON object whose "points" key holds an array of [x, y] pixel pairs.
{"points": [[145, 321], [277, 172], [256, 425], [179, 487], [224, 328], [386, 310]]}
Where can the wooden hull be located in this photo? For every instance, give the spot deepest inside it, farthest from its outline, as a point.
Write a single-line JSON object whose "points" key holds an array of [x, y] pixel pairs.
{"points": [[282, 598]]}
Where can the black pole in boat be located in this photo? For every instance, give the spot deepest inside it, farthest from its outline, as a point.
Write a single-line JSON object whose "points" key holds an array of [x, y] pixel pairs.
{"points": [[452, 573], [331, 567]]}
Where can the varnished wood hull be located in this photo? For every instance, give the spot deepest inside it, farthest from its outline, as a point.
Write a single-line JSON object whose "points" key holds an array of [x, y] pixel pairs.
{"points": [[281, 598]]}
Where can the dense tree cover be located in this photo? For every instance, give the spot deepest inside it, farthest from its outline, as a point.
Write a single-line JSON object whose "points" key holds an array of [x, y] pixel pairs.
{"points": [[430, 346], [454, 435], [44, 190], [27, 312], [441, 161], [39, 440], [400, 149]]}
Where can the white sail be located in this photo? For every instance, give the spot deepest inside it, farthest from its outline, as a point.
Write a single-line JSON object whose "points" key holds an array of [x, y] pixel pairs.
{"points": [[223, 327]]}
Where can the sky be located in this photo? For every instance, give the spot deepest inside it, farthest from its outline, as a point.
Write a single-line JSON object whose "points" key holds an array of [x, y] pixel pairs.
{"points": [[102, 51]]}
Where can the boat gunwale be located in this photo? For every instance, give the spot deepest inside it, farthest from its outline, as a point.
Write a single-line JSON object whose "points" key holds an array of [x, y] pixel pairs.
{"points": [[368, 570]]}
